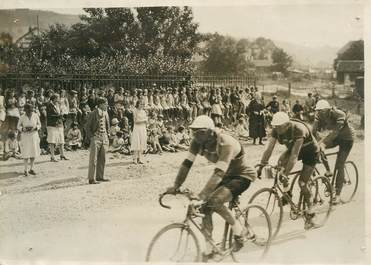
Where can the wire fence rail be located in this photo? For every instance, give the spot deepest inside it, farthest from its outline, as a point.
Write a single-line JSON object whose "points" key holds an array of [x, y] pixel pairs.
{"points": [[73, 81]]}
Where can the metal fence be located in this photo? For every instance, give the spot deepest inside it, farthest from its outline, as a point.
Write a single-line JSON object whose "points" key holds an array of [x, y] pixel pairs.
{"points": [[75, 81]]}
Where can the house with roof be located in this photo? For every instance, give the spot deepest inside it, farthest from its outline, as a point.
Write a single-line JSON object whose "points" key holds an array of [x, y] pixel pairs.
{"points": [[347, 71]]}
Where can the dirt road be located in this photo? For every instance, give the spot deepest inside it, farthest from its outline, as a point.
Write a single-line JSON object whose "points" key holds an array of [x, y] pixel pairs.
{"points": [[56, 216]]}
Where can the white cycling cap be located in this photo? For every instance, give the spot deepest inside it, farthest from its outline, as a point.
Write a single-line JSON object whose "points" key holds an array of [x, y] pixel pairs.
{"points": [[202, 122], [280, 118], [322, 104]]}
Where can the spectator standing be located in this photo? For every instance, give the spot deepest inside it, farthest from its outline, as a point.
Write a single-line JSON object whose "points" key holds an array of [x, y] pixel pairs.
{"points": [[298, 110], [12, 111], [256, 121], [2, 108], [28, 125], [139, 134], [55, 128], [273, 106], [285, 106], [97, 128]]}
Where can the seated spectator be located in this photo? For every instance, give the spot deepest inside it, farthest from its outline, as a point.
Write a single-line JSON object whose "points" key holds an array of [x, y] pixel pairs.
{"points": [[153, 140], [120, 143], [298, 110], [74, 138], [241, 129], [113, 129], [175, 141], [184, 137], [165, 141], [12, 146]]}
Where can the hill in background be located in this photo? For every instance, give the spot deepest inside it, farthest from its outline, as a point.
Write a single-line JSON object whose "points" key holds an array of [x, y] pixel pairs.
{"points": [[17, 21]]}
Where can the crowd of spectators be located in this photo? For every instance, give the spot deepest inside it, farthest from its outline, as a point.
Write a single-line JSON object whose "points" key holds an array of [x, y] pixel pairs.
{"points": [[150, 120]]}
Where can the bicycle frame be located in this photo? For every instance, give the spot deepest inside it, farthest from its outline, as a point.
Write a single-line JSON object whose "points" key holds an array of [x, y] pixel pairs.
{"points": [[296, 207], [223, 250]]}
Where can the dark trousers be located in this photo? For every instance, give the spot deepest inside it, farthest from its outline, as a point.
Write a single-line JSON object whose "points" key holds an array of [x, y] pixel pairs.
{"points": [[344, 149]]}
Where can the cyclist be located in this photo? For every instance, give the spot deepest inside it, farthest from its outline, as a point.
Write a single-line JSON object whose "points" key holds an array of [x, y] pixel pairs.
{"points": [[342, 135], [301, 145], [231, 177]]}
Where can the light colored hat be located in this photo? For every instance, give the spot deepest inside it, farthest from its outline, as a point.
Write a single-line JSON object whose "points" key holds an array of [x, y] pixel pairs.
{"points": [[280, 118], [202, 122], [115, 121], [322, 104]]}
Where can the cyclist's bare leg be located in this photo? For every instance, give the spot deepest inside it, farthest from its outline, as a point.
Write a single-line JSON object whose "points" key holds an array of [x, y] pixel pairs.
{"points": [[305, 175], [325, 163], [344, 150], [215, 203]]}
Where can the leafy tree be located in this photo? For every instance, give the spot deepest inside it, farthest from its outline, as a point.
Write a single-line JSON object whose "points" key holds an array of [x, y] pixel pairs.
{"points": [[281, 60], [224, 55]]}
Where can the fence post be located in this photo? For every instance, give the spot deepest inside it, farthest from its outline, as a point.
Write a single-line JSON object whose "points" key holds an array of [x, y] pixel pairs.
{"points": [[289, 90]]}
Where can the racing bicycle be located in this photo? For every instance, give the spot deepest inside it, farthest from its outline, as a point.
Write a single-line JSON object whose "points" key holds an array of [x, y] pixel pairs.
{"points": [[274, 198], [178, 242]]}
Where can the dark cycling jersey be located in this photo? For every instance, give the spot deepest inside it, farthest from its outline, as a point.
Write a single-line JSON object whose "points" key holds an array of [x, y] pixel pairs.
{"points": [[296, 131], [337, 121], [227, 154]]}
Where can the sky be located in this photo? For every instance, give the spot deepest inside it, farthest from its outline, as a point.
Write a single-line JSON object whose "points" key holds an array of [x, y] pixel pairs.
{"points": [[309, 23]]}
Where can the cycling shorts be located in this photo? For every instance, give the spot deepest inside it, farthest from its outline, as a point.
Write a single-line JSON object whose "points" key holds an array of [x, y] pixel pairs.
{"points": [[236, 184], [309, 155]]}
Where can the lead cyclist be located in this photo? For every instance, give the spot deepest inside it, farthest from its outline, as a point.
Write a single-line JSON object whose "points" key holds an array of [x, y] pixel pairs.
{"points": [[231, 177]]}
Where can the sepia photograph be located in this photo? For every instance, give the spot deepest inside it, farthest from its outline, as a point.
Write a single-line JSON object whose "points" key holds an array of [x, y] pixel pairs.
{"points": [[184, 131]]}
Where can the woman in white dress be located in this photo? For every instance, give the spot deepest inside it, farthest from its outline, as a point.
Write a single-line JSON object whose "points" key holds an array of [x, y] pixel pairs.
{"points": [[28, 125], [2, 107], [139, 135]]}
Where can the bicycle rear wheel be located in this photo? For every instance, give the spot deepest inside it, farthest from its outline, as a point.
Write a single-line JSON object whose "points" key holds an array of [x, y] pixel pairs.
{"points": [[258, 235], [174, 243], [271, 202], [321, 198], [350, 182]]}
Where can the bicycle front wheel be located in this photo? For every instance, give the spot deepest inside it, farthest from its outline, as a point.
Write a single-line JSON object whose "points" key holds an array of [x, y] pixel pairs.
{"points": [[174, 243], [271, 202], [350, 182], [258, 235], [321, 198]]}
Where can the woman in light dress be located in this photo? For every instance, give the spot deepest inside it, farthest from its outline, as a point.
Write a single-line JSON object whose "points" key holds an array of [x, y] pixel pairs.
{"points": [[139, 134], [28, 125], [2, 107]]}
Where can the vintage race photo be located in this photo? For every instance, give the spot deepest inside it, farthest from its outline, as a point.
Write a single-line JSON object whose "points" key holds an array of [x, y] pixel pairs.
{"points": [[183, 133]]}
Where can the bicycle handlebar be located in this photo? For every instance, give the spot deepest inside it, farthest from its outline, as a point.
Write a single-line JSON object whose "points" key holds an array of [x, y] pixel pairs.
{"points": [[185, 192]]}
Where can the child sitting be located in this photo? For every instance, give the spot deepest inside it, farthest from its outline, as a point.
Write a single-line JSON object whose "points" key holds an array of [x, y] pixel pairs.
{"points": [[183, 136], [120, 143], [175, 140], [241, 130], [74, 138], [113, 129], [12, 147], [165, 141], [153, 140]]}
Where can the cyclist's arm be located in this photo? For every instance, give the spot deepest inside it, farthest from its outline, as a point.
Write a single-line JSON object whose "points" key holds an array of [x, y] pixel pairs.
{"points": [[340, 123], [293, 156], [268, 151], [226, 154], [186, 165]]}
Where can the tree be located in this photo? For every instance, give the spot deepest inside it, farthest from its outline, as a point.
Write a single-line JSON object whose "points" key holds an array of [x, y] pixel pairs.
{"points": [[224, 55], [281, 60]]}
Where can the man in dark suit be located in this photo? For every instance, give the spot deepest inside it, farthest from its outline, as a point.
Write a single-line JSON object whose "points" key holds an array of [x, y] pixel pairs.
{"points": [[97, 128]]}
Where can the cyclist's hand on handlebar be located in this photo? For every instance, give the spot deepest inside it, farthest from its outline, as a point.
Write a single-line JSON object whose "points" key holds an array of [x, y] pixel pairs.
{"points": [[259, 170], [171, 190]]}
